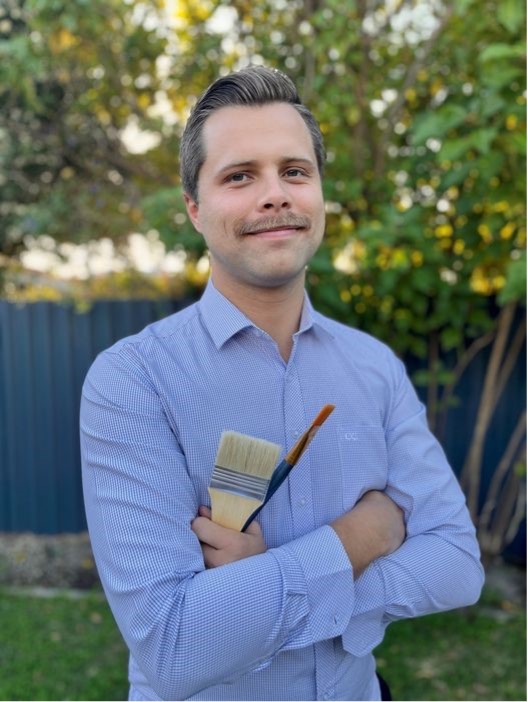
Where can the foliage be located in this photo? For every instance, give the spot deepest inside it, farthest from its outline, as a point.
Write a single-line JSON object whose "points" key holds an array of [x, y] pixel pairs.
{"points": [[59, 648], [73, 75]]}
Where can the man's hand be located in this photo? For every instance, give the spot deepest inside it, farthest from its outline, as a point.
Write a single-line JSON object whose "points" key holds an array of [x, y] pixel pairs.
{"points": [[221, 545], [374, 527]]}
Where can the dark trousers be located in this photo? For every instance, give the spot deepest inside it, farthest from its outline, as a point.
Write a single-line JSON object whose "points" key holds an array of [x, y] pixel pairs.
{"points": [[385, 690]]}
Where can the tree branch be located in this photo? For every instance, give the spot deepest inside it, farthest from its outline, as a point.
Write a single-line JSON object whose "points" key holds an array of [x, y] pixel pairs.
{"points": [[504, 465], [509, 364], [463, 362], [470, 476]]}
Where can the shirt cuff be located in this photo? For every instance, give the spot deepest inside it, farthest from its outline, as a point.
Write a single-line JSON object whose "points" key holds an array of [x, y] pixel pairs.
{"points": [[317, 566], [369, 621]]}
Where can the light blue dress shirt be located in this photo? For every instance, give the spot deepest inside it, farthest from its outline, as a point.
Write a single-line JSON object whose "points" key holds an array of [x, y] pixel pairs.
{"points": [[292, 623]]}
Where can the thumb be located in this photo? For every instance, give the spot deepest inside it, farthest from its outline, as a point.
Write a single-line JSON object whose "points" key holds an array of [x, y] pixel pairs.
{"points": [[204, 511]]}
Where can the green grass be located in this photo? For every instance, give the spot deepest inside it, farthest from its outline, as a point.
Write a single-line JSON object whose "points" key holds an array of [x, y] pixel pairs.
{"points": [[478, 654], [60, 649], [64, 649]]}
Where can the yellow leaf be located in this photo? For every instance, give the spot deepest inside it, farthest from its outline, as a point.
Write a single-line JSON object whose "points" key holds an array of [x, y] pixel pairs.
{"points": [[485, 233], [417, 258], [444, 230], [62, 41], [459, 246], [507, 231]]}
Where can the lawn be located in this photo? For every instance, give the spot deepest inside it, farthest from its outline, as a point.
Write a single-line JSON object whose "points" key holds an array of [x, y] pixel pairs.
{"points": [[69, 649]]}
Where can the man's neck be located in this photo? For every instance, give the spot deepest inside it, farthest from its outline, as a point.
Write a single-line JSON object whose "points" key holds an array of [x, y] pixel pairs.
{"points": [[277, 311]]}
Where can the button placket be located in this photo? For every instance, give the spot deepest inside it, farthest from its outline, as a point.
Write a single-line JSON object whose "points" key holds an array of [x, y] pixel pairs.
{"points": [[299, 480]]}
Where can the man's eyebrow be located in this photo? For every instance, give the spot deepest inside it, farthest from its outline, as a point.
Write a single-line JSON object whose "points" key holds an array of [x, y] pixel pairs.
{"points": [[235, 165], [298, 159]]}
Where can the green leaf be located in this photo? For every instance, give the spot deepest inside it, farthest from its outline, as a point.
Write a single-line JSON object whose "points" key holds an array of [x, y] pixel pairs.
{"points": [[479, 140], [499, 76], [515, 288], [482, 139], [438, 123], [450, 338], [510, 14], [519, 142], [497, 52]]}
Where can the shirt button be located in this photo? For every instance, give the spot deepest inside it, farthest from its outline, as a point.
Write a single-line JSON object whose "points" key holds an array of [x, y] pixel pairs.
{"points": [[302, 501], [295, 434]]}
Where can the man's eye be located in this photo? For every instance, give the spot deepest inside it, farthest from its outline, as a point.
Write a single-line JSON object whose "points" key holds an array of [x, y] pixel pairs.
{"points": [[295, 172], [237, 177]]}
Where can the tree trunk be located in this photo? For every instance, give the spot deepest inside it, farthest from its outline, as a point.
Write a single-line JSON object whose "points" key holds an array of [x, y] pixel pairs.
{"points": [[471, 472]]}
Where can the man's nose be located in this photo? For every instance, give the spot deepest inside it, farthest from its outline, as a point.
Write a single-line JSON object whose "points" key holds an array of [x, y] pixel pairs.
{"points": [[274, 195]]}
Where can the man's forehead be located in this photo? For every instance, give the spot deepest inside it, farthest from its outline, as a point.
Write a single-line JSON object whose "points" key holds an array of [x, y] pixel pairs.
{"points": [[240, 133]]}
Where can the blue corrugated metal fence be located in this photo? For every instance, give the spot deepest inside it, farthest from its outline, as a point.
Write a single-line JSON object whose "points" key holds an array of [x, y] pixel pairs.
{"points": [[45, 352]]}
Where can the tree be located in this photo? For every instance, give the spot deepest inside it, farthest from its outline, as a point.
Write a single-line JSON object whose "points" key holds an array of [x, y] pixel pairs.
{"points": [[73, 75]]}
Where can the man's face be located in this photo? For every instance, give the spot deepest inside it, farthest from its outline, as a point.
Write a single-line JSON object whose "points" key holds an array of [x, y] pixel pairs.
{"points": [[261, 208]]}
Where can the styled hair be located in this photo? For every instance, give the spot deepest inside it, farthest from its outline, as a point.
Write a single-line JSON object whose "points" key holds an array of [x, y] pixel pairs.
{"points": [[253, 86]]}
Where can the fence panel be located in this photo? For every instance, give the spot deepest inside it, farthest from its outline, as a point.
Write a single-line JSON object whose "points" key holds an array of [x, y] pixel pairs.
{"points": [[45, 352]]}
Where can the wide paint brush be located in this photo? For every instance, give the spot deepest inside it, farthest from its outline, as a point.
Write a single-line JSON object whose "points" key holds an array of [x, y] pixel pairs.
{"points": [[241, 477], [292, 457]]}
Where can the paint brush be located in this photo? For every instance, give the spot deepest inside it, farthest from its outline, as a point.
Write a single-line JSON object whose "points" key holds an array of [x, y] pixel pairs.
{"points": [[292, 457], [241, 477]]}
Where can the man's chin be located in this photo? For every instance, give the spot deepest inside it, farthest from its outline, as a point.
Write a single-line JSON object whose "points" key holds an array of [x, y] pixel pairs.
{"points": [[273, 280]]}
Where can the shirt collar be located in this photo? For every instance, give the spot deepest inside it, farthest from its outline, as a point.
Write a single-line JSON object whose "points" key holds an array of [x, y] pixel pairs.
{"points": [[223, 319]]}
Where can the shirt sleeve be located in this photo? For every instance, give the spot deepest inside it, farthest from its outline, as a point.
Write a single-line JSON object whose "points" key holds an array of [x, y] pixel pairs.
{"points": [[438, 566], [188, 627]]}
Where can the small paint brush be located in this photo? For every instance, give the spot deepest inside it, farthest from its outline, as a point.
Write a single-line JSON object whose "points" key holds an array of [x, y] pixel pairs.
{"points": [[292, 457], [241, 477]]}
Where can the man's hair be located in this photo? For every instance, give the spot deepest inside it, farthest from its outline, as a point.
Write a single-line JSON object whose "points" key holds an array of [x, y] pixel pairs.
{"points": [[253, 86]]}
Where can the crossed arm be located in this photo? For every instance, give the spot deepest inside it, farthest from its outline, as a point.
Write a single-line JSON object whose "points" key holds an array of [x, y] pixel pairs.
{"points": [[373, 528]]}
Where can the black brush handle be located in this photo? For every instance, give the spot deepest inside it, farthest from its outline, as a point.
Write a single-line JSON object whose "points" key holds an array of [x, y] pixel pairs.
{"points": [[280, 474]]}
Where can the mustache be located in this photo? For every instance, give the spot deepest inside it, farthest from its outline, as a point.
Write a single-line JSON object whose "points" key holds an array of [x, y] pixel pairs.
{"points": [[264, 223]]}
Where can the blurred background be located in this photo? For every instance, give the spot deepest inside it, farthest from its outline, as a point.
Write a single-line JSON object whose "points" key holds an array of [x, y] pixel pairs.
{"points": [[422, 104]]}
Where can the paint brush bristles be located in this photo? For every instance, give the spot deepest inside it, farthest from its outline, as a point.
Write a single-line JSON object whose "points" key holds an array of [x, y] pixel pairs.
{"points": [[300, 447], [239, 483]]}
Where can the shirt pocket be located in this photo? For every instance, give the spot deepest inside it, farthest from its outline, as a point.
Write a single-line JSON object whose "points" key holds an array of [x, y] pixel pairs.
{"points": [[364, 464]]}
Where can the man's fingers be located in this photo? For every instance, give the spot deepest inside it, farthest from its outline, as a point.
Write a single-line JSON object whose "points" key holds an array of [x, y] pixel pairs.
{"points": [[211, 556], [210, 533], [221, 545]]}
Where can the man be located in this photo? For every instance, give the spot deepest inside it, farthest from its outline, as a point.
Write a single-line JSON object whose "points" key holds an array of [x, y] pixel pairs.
{"points": [[371, 525]]}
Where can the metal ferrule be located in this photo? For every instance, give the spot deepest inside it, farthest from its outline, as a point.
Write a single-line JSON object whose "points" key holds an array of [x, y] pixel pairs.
{"points": [[240, 484]]}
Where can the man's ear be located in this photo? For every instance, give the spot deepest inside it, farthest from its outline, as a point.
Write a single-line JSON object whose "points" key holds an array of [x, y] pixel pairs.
{"points": [[192, 210]]}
